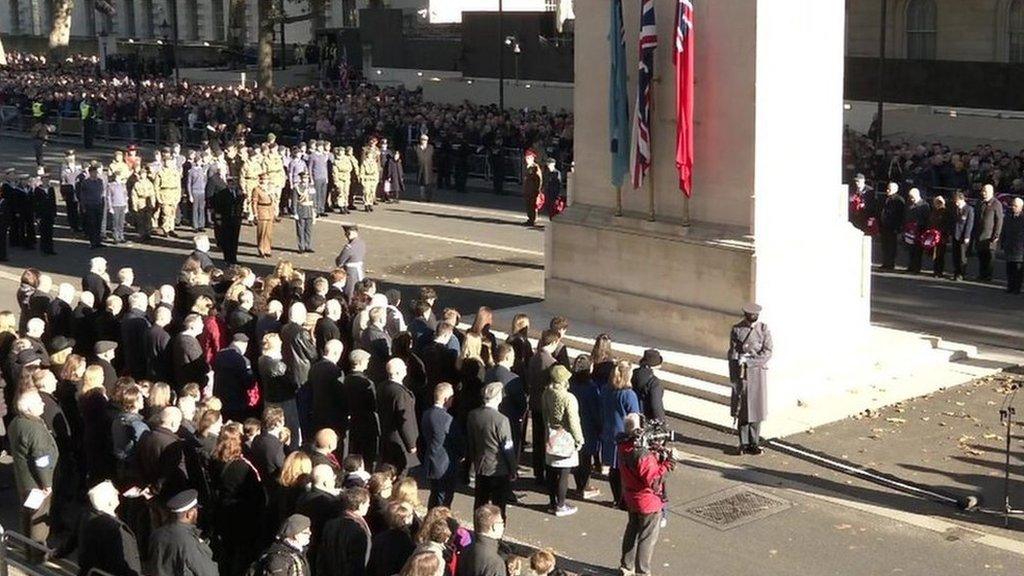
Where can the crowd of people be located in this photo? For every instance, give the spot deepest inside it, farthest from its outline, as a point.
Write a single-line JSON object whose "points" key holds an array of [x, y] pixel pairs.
{"points": [[231, 424], [345, 115]]}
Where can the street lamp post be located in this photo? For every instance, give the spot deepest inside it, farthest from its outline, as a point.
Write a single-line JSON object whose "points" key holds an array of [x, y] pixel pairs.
{"points": [[165, 31], [501, 55], [284, 56], [513, 43], [881, 71]]}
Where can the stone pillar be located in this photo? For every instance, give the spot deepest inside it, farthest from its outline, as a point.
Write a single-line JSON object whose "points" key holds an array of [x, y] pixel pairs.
{"points": [[767, 217]]}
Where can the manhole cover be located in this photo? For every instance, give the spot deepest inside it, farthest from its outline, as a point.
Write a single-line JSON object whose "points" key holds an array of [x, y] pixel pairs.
{"points": [[733, 507]]}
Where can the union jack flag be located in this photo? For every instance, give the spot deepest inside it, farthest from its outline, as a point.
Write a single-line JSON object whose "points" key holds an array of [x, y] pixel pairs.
{"points": [[645, 79]]}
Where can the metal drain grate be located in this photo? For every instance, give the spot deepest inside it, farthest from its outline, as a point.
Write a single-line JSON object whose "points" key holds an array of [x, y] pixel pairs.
{"points": [[733, 507]]}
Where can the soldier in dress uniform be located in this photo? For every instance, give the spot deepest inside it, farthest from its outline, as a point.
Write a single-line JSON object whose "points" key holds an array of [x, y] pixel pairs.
{"points": [[369, 174], [252, 168], [273, 164], [351, 258], [70, 172], [533, 180], [26, 216], [228, 212], [143, 203], [263, 208], [10, 193], [168, 195], [44, 201], [350, 162], [341, 174], [750, 349], [177, 547]]}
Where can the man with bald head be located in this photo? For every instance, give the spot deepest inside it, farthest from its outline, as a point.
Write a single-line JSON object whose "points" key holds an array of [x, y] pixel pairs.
{"points": [[325, 385], [160, 455], [320, 504], [1013, 246], [916, 219], [989, 227]]}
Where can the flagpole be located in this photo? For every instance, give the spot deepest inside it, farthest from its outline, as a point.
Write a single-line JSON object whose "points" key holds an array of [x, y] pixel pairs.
{"points": [[686, 210], [618, 200], [650, 194], [652, 122]]}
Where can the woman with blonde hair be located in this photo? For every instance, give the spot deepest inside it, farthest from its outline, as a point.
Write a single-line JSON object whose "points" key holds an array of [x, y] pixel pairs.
{"points": [[482, 328], [519, 339], [407, 490], [616, 401], [296, 474], [159, 397], [423, 564]]}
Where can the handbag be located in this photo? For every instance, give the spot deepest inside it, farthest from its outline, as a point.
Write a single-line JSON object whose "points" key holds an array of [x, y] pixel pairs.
{"points": [[560, 443], [538, 203]]}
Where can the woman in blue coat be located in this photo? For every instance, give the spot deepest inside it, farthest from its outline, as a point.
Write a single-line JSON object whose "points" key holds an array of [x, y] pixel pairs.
{"points": [[616, 401], [588, 396]]}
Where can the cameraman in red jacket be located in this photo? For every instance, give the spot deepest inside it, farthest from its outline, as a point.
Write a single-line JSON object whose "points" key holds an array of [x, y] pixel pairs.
{"points": [[642, 472]]}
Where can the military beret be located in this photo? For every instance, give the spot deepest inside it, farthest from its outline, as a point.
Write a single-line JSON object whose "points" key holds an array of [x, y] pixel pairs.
{"points": [[60, 343], [751, 308], [104, 346], [183, 501], [294, 525], [651, 357]]}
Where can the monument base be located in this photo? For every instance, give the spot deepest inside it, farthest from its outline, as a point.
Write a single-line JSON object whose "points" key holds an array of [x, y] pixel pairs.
{"points": [[681, 284]]}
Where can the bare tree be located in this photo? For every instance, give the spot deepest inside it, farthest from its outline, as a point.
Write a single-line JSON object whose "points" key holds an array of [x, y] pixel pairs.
{"points": [[60, 34], [265, 49]]}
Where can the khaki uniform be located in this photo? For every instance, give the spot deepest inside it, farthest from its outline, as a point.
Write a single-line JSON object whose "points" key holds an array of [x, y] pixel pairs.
{"points": [[143, 204], [252, 168], [369, 175], [120, 169], [263, 208], [273, 165], [168, 195], [344, 168]]}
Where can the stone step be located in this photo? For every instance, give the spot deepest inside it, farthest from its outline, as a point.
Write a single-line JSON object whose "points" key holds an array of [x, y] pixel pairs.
{"points": [[699, 410]]}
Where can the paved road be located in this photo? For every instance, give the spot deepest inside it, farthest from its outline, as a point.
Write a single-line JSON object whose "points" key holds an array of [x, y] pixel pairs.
{"points": [[473, 250]]}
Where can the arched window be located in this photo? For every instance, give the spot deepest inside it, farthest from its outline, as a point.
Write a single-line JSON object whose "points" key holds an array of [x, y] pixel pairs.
{"points": [[921, 16], [1015, 30]]}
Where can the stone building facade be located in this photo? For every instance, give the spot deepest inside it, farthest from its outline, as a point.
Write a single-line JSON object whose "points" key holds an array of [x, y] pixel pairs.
{"points": [[973, 31]]}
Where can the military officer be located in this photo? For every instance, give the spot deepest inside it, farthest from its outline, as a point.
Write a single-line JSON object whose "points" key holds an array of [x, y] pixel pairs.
{"points": [[168, 195], [252, 167], [70, 172], [369, 174], [345, 165], [351, 258], [533, 180], [263, 208], [143, 203], [274, 166], [228, 212], [177, 548], [44, 201], [750, 349]]}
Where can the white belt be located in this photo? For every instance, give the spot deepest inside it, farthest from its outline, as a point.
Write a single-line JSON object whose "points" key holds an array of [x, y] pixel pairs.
{"points": [[358, 267]]}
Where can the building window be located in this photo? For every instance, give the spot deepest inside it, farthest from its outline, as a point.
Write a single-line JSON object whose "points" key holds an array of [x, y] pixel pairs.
{"points": [[15, 17], [551, 5], [217, 16], [1016, 31], [921, 16]]}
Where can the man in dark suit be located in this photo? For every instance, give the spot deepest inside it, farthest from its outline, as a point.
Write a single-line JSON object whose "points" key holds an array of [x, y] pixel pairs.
{"points": [[60, 318], [890, 224], [228, 207], [95, 280], [396, 406], [105, 542], [490, 450], [361, 401], [439, 358], [344, 545], [188, 362], [319, 504], [514, 403], [962, 228], [325, 378], [233, 378], [158, 347], [160, 455], [916, 217], [482, 557], [376, 341], [104, 356], [1013, 246], [201, 253], [329, 326], [438, 447], [267, 448], [241, 319], [134, 328], [44, 199], [989, 228], [298, 351]]}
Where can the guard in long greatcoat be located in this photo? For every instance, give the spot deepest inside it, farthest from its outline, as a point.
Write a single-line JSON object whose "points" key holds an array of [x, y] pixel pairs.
{"points": [[750, 349]]}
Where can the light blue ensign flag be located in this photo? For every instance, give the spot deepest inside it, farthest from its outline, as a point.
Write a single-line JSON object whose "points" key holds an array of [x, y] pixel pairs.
{"points": [[618, 97]]}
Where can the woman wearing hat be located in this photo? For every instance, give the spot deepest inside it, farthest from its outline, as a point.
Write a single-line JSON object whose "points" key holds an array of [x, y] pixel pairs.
{"points": [[565, 437]]}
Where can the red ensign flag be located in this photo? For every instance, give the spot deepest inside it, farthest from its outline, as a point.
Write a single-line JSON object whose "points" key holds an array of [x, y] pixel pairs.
{"points": [[683, 59]]}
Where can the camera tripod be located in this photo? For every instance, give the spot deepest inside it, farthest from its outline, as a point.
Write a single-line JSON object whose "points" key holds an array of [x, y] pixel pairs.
{"points": [[1006, 416]]}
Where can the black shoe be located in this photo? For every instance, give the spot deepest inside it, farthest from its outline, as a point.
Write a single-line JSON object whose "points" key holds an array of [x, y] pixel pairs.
{"points": [[754, 450]]}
